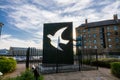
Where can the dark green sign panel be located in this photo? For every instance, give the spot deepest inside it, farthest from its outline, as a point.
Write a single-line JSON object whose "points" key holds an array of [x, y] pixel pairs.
{"points": [[57, 43]]}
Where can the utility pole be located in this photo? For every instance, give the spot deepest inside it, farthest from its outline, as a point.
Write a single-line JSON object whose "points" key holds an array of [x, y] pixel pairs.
{"points": [[1, 24]]}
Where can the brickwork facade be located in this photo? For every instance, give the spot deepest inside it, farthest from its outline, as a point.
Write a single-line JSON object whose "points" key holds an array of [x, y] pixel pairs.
{"points": [[102, 35]]}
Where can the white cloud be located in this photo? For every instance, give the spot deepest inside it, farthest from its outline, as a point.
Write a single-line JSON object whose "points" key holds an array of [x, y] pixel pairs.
{"points": [[31, 15], [7, 41]]}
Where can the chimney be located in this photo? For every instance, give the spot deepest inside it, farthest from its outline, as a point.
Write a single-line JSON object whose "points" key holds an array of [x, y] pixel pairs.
{"points": [[115, 17], [86, 23]]}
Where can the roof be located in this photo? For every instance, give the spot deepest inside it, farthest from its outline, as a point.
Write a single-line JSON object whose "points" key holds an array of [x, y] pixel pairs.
{"points": [[101, 23]]}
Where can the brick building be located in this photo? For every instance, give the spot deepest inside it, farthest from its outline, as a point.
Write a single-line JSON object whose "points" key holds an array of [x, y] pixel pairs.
{"points": [[102, 35]]}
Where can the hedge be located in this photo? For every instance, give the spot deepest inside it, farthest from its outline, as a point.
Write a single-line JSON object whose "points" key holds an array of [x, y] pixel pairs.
{"points": [[7, 64], [115, 69], [27, 75], [105, 62]]}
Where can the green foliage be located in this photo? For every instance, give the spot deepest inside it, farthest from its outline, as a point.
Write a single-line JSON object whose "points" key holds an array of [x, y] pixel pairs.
{"points": [[27, 75], [7, 64], [105, 62], [115, 69]]}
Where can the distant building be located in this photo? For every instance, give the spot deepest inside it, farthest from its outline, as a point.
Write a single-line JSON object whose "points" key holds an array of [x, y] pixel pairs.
{"points": [[4, 51], [18, 51], [101, 35]]}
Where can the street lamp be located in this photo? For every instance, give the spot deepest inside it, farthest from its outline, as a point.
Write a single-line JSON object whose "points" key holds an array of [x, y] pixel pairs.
{"points": [[1, 24]]}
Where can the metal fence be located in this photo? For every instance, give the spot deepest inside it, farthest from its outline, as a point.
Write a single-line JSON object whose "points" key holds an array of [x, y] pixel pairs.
{"points": [[82, 62], [33, 57]]}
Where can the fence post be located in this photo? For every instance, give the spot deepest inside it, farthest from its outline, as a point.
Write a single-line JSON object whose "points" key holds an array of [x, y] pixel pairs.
{"points": [[27, 58]]}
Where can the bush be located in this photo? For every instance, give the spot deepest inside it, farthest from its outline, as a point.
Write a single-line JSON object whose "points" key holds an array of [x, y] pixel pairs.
{"points": [[105, 62], [7, 64], [115, 69], [27, 75]]}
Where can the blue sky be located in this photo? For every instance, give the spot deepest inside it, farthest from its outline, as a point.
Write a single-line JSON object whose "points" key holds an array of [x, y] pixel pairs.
{"points": [[23, 19]]}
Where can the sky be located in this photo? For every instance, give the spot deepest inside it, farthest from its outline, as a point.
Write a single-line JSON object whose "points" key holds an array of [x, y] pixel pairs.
{"points": [[24, 19]]}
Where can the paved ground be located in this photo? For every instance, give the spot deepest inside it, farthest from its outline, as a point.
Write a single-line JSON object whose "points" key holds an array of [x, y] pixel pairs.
{"points": [[101, 74]]}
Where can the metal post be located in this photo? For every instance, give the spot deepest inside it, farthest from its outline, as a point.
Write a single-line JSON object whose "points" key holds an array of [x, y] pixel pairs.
{"points": [[1, 24], [97, 59], [79, 61], [27, 58]]}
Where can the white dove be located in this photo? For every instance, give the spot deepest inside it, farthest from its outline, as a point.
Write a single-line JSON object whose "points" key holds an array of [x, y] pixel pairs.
{"points": [[56, 39]]}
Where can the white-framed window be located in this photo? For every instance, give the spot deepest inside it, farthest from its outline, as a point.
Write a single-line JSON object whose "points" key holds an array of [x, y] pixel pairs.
{"points": [[90, 46], [89, 35], [84, 35], [94, 35], [108, 33], [110, 46], [115, 28], [84, 30], [95, 47], [109, 39], [85, 46], [94, 41], [108, 28], [117, 40]]}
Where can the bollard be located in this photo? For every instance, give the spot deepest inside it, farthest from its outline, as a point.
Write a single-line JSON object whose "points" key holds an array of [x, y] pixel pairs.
{"points": [[36, 72]]}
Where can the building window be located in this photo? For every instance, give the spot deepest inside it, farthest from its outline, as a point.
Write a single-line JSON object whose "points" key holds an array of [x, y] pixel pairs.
{"points": [[84, 35], [94, 41], [84, 30], [89, 35], [115, 28], [89, 41], [94, 35], [95, 47], [101, 36], [85, 46], [110, 46], [84, 41], [101, 41], [108, 33], [117, 46], [88, 30], [90, 46], [117, 40], [109, 40], [108, 28]]}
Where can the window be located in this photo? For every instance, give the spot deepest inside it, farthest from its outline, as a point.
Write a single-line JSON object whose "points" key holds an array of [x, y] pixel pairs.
{"points": [[85, 46], [108, 33], [101, 41], [95, 47], [94, 41], [90, 46], [117, 46], [115, 28], [117, 40], [110, 46], [84, 35], [88, 29], [109, 39], [84, 41], [89, 35], [84, 30], [108, 27], [94, 35], [89, 41], [101, 36]]}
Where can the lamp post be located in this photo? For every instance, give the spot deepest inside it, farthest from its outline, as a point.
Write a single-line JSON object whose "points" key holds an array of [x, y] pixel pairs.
{"points": [[79, 46], [1, 24]]}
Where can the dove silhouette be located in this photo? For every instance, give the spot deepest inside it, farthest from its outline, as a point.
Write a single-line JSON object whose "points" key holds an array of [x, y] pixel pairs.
{"points": [[57, 38]]}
